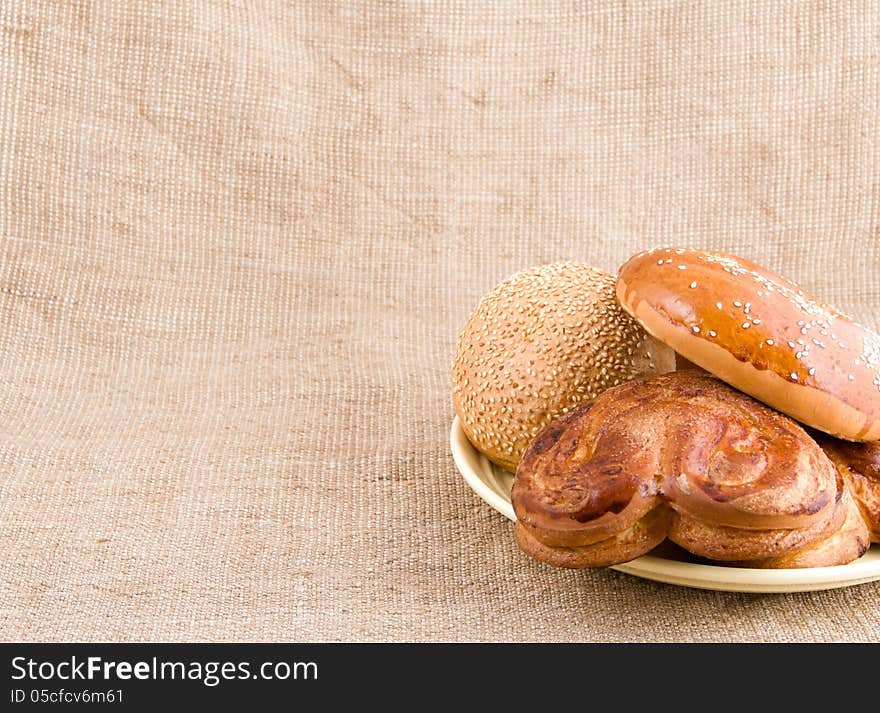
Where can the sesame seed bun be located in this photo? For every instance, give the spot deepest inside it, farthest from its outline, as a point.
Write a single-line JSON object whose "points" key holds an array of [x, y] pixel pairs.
{"points": [[539, 343], [760, 333]]}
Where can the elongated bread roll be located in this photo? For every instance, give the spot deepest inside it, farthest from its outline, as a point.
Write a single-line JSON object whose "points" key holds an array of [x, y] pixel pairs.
{"points": [[760, 333]]}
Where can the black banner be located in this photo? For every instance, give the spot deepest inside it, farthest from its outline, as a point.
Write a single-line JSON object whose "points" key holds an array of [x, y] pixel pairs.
{"points": [[135, 676]]}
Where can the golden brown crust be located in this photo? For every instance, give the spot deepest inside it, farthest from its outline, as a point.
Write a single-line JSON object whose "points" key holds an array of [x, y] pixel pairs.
{"points": [[844, 545], [582, 480], [685, 438], [719, 542], [859, 464], [539, 343], [762, 334], [638, 539]]}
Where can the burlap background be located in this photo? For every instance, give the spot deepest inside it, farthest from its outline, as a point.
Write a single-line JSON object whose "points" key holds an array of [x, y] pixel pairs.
{"points": [[237, 242]]}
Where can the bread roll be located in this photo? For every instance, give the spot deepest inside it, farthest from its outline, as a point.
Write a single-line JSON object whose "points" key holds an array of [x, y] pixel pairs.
{"points": [[760, 333], [723, 475], [539, 343], [859, 464], [640, 537], [845, 544]]}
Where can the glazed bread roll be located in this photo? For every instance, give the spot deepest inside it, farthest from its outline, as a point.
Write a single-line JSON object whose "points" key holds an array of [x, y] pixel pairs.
{"points": [[539, 343], [681, 455], [760, 333]]}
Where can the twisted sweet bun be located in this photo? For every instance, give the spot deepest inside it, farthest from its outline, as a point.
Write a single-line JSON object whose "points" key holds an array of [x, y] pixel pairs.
{"points": [[634, 541], [859, 464], [682, 454], [760, 333], [539, 343], [720, 542], [846, 543], [585, 478]]}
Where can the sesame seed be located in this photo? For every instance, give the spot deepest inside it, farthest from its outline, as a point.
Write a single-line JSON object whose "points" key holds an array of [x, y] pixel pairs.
{"points": [[696, 329], [718, 305], [693, 284], [804, 330], [770, 342], [737, 304], [841, 345], [659, 262], [545, 355], [812, 371], [713, 333], [794, 376], [850, 377], [746, 325], [791, 344], [681, 267], [756, 321]]}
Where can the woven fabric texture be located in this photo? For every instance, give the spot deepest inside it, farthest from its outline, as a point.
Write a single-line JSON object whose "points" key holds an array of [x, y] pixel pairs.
{"points": [[238, 241]]}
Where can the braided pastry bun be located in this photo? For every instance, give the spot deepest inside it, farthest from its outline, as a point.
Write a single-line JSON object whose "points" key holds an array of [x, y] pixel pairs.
{"points": [[845, 544], [859, 464], [686, 456]]}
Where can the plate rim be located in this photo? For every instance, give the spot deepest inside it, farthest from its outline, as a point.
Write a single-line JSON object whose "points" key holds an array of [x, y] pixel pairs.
{"points": [[690, 574]]}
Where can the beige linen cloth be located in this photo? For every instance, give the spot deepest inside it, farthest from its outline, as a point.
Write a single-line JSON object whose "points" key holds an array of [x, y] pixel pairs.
{"points": [[238, 241]]}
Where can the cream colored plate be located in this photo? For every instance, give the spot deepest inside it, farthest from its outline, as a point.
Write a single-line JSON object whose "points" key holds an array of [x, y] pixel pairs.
{"points": [[668, 563]]}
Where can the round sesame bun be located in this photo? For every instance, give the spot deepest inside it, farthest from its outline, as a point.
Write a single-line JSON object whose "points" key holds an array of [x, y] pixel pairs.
{"points": [[539, 343], [760, 333]]}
